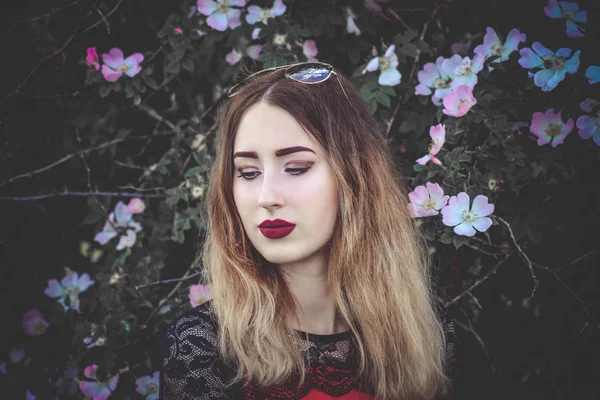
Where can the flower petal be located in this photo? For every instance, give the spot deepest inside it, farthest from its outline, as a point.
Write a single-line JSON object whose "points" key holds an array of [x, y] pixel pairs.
{"points": [[553, 10], [206, 7], [389, 77], [113, 58], [465, 229], [218, 21], [482, 224], [529, 59], [278, 8], [592, 73], [481, 207]]}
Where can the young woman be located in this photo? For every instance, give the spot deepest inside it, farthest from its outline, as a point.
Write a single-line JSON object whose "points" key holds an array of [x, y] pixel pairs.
{"points": [[320, 279]]}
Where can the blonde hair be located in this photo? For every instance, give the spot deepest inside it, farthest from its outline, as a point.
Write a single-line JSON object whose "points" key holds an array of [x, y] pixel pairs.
{"points": [[379, 265]]}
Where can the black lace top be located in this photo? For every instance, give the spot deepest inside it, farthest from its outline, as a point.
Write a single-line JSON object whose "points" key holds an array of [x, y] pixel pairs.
{"points": [[192, 369]]}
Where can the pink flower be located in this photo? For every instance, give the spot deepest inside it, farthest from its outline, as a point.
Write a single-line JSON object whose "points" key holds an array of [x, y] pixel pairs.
{"points": [[199, 294], [426, 201], [92, 58], [351, 27], [148, 386], [115, 65], [33, 323], [549, 128], [221, 14], [309, 48], [177, 31], [463, 219], [438, 136], [255, 13], [254, 51], [136, 206], [233, 57], [459, 101], [97, 390]]}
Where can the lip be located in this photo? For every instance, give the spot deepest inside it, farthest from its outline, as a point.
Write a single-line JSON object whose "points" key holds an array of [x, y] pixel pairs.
{"points": [[276, 229]]}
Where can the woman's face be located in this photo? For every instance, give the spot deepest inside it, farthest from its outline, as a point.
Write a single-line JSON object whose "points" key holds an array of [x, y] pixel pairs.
{"points": [[298, 187]]}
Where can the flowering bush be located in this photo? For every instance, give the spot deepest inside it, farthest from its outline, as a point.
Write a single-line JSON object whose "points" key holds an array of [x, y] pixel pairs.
{"points": [[467, 107]]}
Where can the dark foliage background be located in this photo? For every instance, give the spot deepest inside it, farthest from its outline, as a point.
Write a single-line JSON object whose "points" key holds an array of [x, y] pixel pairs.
{"points": [[512, 346]]}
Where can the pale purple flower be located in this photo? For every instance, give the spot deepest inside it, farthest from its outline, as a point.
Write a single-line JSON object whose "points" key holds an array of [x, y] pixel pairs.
{"points": [[438, 138], [466, 72], [233, 57], [570, 12], [436, 78], [426, 201], [255, 33], [124, 220], [221, 13], [29, 395], [136, 205], [115, 65], [589, 125], [493, 49], [387, 64], [255, 13], [70, 286], [592, 73], [549, 68], [33, 323], [459, 101], [466, 219], [254, 51], [97, 390], [351, 27], [199, 294], [17, 356], [549, 127], [92, 58], [149, 386], [309, 48]]}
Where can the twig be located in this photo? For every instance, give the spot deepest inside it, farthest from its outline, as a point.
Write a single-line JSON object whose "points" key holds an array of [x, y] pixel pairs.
{"points": [[69, 156], [104, 17], [70, 193], [171, 293], [154, 114], [399, 19], [185, 278], [48, 14], [105, 20], [51, 55], [587, 313], [482, 279], [89, 183], [413, 69], [578, 259], [523, 255]]}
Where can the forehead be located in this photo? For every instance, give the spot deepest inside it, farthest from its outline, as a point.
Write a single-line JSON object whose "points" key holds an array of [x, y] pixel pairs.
{"points": [[265, 127]]}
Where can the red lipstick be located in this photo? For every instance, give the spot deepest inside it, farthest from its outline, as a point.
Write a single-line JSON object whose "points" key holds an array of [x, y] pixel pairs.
{"points": [[276, 229]]}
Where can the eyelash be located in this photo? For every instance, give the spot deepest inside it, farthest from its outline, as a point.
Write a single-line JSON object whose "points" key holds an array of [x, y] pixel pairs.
{"points": [[299, 171]]}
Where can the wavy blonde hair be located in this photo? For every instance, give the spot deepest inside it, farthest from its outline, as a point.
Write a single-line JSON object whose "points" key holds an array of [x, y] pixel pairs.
{"points": [[379, 265]]}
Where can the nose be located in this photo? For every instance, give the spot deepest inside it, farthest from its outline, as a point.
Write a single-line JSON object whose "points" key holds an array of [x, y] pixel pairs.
{"points": [[270, 195]]}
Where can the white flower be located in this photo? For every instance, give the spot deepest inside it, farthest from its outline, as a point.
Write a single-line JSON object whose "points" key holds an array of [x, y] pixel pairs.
{"points": [[387, 64]]}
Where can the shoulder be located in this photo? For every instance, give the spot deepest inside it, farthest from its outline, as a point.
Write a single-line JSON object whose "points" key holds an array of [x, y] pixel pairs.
{"points": [[198, 321]]}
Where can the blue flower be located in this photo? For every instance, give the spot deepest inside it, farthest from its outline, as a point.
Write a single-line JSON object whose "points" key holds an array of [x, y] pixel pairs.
{"points": [[593, 74], [589, 125], [549, 68], [568, 11]]}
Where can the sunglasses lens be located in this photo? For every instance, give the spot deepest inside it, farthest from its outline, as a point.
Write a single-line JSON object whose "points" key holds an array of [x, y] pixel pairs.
{"points": [[309, 73]]}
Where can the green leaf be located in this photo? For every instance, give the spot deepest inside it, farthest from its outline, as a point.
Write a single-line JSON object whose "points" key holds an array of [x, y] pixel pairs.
{"points": [[407, 126], [383, 99], [388, 90], [188, 64], [447, 237], [192, 172], [410, 50], [460, 240], [536, 234], [423, 47], [104, 90], [150, 82], [418, 167]]}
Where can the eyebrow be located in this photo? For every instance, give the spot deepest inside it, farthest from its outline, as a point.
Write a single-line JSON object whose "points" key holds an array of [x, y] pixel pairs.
{"points": [[278, 153]]}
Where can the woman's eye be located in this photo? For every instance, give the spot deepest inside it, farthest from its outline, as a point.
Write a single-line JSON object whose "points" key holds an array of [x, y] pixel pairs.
{"points": [[293, 171]]}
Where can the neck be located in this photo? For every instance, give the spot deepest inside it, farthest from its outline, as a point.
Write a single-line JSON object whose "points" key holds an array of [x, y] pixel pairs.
{"points": [[316, 309]]}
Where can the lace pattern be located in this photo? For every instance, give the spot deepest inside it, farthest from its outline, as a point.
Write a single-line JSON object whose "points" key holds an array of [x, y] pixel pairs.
{"points": [[192, 368]]}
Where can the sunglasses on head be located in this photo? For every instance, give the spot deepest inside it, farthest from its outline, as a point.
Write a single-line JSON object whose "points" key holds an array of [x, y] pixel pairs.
{"points": [[304, 72]]}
